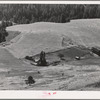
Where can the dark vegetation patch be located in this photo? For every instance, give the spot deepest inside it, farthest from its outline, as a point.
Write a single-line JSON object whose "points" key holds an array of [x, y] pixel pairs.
{"points": [[59, 13], [64, 77], [87, 61], [95, 85], [67, 54], [3, 32], [91, 70], [11, 35], [5, 35], [61, 56], [30, 80], [30, 58], [42, 60], [96, 50], [55, 63]]}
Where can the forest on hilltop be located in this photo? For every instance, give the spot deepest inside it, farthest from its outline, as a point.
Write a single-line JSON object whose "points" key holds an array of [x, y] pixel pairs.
{"points": [[29, 13], [60, 13]]}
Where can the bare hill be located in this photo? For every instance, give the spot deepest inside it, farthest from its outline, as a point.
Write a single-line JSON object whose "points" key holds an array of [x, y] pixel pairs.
{"points": [[53, 36]]}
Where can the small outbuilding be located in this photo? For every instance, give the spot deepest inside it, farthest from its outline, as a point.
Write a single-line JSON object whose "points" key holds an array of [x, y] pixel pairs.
{"points": [[77, 58]]}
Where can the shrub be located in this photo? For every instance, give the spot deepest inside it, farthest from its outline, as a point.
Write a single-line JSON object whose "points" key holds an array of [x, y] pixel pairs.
{"points": [[30, 80], [29, 58]]}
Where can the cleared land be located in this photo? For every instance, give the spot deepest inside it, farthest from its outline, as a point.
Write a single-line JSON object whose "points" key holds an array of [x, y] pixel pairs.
{"points": [[49, 36], [62, 43]]}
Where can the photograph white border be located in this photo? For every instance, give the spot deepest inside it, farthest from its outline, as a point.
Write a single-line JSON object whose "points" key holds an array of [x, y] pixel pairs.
{"points": [[40, 95], [24, 94], [49, 2]]}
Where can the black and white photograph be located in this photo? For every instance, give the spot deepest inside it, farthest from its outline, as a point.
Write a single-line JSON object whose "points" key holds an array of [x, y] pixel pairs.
{"points": [[53, 47]]}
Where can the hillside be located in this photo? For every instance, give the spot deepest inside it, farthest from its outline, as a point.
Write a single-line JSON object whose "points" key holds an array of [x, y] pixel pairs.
{"points": [[62, 44], [53, 36], [7, 58]]}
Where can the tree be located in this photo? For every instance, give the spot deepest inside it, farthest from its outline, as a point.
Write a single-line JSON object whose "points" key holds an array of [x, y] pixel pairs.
{"points": [[3, 32], [42, 60], [59, 13]]}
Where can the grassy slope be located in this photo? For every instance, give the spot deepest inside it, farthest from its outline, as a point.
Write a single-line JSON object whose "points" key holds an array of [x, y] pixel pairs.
{"points": [[48, 36], [84, 77], [7, 58], [78, 75]]}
